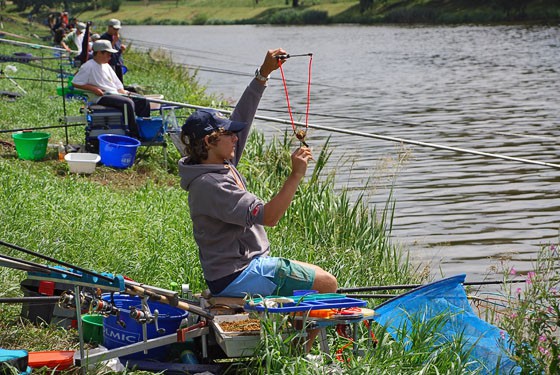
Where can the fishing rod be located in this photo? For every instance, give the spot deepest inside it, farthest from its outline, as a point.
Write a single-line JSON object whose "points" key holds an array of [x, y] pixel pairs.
{"points": [[413, 286], [134, 288], [373, 296], [4, 75], [51, 259], [367, 135], [33, 45], [165, 296], [25, 265], [29, 79], [393, 121], [31, 300], [38, 128]]}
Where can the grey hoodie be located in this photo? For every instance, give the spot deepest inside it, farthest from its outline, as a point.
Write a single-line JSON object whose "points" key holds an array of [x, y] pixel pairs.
{"points": [[227, 219]]}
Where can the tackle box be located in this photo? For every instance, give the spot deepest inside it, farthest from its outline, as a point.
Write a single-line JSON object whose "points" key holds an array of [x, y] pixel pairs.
{"points": [[235, 344], [282, 304], [102, 120], [238, 343]]}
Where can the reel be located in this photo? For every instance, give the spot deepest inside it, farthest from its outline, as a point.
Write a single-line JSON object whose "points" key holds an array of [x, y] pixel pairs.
{"points": [[144, 315]]}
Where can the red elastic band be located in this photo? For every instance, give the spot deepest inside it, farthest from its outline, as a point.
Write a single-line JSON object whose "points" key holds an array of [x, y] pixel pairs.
{"points": [[288, 97]]}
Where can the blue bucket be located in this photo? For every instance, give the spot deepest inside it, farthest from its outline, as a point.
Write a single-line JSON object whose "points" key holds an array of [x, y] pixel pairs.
{"points": [[122, 330], [117, 151]]}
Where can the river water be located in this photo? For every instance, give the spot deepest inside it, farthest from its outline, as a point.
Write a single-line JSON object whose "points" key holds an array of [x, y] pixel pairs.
{"points": [[490, 89]]}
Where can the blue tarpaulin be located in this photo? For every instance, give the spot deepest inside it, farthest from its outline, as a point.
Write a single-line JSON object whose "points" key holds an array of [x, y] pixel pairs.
{"points": [[447, 298]]}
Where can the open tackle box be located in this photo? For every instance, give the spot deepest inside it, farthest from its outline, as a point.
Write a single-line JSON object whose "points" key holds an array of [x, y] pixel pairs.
{"points": [[308, 302]]}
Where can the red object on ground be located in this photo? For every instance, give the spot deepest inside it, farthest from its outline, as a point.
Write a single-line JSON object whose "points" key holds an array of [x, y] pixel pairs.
{"points": [[56, 360], [46, 288]]}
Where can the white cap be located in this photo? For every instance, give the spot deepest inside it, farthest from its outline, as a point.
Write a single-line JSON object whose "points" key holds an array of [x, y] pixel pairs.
{"points": [[103, 45], [115, 23]]}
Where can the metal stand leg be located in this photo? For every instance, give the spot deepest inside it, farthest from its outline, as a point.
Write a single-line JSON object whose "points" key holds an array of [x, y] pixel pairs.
{"points": [[83, 370], [355, 338], [165, 155], [323, 340]]}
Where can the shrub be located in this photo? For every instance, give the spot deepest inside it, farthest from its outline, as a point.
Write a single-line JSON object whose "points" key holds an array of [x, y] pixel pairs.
{"points": [[199, 19], [286, 17], [315, 17]]}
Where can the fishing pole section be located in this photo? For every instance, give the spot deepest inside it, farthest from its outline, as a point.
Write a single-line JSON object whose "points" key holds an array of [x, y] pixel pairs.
{"points": [[176, 139]]}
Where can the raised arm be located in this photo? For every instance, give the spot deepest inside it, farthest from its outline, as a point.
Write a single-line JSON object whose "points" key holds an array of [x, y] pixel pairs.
{"points": [[248, 103]]}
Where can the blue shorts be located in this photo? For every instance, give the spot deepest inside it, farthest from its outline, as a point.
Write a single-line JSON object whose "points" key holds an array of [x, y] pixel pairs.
{"points": [[267, 276]]}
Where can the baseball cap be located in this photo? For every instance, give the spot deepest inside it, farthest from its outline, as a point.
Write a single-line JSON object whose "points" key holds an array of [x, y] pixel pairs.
{"points": [[205, 121], [115, 23], [103, 45], [81, 26]]}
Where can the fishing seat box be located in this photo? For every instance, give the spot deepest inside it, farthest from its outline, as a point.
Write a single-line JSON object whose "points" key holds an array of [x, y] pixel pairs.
{"points": [[102, 120], [46, 312]]}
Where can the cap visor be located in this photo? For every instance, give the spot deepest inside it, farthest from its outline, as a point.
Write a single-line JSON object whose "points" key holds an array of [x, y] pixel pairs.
{"points": [[235, 126]]}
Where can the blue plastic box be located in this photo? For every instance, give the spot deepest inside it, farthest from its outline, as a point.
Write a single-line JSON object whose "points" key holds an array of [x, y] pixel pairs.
{"points": [[315, 301]]}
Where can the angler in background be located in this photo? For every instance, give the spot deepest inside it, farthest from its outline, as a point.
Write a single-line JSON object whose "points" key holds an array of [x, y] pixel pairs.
{"points": [[112, 35], [75, 38], [103, 86], [94, 38], [229, 221]]}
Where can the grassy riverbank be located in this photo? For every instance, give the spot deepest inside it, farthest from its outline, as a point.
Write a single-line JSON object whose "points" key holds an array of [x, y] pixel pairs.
{"points": [[197, 12]]}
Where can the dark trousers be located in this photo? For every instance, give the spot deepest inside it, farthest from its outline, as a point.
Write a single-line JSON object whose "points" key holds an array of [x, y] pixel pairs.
{"points": [[119, 72], [133, 106]]}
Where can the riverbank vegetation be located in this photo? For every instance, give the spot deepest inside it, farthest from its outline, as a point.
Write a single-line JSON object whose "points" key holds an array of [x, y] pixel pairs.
{"points": [[198, 12]]}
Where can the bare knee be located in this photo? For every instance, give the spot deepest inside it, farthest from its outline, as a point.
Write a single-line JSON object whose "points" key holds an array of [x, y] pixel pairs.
{"points": [[324, 282]]}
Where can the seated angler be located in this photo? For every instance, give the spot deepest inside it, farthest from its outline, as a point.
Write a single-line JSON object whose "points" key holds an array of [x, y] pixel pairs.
{"points": [[104, 87], [229, 221]]}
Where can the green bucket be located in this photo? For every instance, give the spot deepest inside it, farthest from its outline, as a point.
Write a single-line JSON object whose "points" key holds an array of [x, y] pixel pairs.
{"points": [[31, 145], [92, 325]]}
